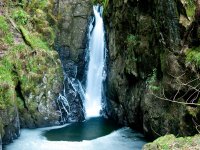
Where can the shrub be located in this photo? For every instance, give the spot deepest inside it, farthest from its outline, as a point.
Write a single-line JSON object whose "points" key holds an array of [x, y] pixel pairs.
{"points": [[4, 28], [20, 16], [193, 57]]}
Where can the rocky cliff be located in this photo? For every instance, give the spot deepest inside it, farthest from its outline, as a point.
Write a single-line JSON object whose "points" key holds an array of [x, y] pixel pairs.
{"points": [[30, 71], [153, 68], [156, 45], [71, 43], [71, 39]]}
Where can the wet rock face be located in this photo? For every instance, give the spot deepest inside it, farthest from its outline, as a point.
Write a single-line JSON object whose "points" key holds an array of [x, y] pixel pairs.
{"points": [[145, 38], [72, 29], [69, 101], [71, 42], [11, 123], [130, 41]]}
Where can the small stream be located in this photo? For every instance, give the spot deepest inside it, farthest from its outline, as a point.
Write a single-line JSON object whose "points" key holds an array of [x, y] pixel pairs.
{"points": [[92, 134]]}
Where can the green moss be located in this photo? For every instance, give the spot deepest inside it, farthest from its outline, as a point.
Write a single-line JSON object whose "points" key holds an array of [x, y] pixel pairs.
{"points": [[33, 40], [26, 36], [33, 15], [131, 40], [28, 62], [20, 16], [35, 4], [37, 42], [193, 57], [3, 24], [152, 81], [170, 142], [9, 38], [167, 139], [193, 111], [4, 28], [43, 27], [18, 48], [7, 85], [190, 8]]}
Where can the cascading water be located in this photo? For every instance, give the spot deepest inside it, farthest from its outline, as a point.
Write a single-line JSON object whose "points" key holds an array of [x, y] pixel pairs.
{"points": [[95, 73]]}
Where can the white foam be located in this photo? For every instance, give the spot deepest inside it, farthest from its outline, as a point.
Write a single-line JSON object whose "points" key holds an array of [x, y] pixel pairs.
{"points": [[122, 139], [96, 65]]}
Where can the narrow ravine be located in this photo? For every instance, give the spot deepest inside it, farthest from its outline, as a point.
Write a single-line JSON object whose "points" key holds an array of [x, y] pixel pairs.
{"points": [[89, 74], [96, 132]]}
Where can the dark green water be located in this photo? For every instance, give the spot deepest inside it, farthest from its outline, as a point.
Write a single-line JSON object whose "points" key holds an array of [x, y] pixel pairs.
{"points": [[87, 130]]}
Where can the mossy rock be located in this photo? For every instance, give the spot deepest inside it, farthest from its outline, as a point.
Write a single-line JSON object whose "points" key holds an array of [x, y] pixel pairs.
{"points": [[170, 142], [193, 57], [33, 40], [5, 35], [30, 71]]}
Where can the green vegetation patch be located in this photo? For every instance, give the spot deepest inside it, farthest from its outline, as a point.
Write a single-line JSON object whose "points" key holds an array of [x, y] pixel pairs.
{"points": [[33, 40], [190, 7], [170, 142], [193, 57], [20, 16], [29, 64], [3, 24], [34, 16], [7, 85], [5, 35], [152, 81]]}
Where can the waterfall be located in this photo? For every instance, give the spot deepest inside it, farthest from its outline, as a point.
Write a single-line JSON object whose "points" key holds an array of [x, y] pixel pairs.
{"points": [[95, 71]]}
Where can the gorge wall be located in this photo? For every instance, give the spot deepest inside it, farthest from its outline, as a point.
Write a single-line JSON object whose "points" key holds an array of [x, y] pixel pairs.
{"points": [[32, 74], [153, 71], [30, 71], [71, 39], [71, 43], [153, 68]]}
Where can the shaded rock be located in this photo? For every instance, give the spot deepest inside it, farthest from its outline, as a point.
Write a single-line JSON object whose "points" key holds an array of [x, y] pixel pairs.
{"points": [[71, 43], [145, 39], [10, 125], [72, 30]]}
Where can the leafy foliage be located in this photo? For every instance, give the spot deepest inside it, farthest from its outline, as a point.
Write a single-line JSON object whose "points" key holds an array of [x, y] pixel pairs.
{"points": [[193, 57], [190, 7], [152, 81], [20, 16]]}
